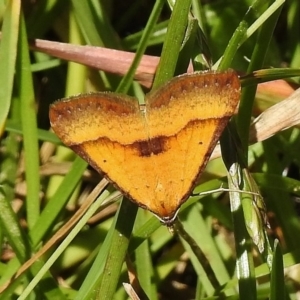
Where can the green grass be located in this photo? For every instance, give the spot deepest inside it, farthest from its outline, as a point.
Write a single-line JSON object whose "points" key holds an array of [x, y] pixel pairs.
{"points": [[42, 183]]}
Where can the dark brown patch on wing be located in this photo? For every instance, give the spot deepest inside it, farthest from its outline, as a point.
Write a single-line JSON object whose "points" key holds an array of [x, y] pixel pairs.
{"points": [[153, 146]]}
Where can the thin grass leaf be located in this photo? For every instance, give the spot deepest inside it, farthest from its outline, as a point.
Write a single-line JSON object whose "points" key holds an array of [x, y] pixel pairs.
{"points": [[277, 275], [173, 41], [257, 61], [8, 54]]}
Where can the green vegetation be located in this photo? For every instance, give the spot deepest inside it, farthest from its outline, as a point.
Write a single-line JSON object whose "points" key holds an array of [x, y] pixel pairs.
{"points": [[43, 184]]}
